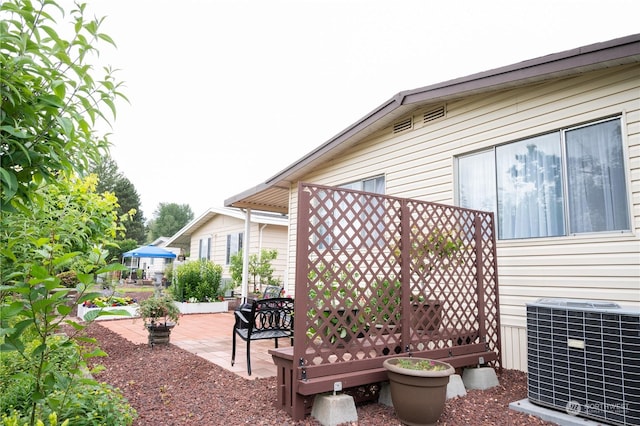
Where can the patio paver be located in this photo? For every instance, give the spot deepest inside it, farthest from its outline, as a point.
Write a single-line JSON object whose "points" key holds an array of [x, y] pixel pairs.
{"points": [[208, 336]]}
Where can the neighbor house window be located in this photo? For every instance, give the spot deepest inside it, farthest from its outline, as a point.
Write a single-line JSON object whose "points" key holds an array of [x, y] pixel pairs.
{"points": [[375, 185], [204, 250], [234, 245], [566, 182]]}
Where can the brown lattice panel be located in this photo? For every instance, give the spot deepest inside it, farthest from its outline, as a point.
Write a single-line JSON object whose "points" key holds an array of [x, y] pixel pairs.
{"points": [[386, 275]]}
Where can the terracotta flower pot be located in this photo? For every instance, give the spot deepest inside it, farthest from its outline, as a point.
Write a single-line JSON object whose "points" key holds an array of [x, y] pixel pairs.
{"points": [[418, 395]]}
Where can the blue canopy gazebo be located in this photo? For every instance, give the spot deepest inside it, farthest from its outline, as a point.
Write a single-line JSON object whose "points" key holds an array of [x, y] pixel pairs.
{"points": [[148, 251]]}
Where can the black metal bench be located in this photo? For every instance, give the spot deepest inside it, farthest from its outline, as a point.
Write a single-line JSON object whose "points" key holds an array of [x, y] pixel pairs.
{"points": [[268, 319]]}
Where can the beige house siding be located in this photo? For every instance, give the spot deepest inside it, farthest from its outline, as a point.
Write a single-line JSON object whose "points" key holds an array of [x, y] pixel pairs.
{"points": [[419, 163], [273, 237], [266, 236]]}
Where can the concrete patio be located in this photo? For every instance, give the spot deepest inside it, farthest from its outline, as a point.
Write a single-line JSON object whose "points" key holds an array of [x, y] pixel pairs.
{"points": [[208, 336]]}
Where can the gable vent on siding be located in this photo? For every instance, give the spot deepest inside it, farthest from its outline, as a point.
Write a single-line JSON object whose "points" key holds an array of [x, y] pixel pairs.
{"points": [[434, 114], [403, 125]]}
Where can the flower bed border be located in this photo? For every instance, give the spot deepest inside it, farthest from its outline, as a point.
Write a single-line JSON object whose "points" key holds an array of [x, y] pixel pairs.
{"points": [[83, 310], [185, 309], [203, 307]]}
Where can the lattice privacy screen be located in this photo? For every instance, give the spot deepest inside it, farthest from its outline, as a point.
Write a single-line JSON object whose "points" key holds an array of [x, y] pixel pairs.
{"points": [[386, 275]]}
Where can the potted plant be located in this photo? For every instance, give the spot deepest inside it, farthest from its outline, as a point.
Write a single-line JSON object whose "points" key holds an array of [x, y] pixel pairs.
{"points": [[418, 388], [160, 315]]}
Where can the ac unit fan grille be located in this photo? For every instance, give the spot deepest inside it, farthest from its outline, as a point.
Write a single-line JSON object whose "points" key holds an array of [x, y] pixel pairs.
{"points": [[586, 362]]}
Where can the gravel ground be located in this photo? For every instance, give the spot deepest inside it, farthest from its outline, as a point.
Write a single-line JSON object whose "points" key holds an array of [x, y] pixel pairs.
{"points": [[169, 386]]}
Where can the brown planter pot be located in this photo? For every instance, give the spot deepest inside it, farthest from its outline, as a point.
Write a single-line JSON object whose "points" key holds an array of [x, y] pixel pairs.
{"points": [[418, 396], [159, 334]]}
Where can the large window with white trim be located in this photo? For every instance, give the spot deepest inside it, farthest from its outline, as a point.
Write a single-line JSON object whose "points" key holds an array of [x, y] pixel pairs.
{"points": [[566, 182]]}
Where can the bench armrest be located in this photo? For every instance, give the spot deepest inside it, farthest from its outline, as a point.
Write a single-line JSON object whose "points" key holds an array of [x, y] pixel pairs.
{"points": [[243, 318]]}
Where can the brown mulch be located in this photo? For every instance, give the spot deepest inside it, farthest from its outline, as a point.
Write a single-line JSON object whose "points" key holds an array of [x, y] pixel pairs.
{"points": [[170, 386]]}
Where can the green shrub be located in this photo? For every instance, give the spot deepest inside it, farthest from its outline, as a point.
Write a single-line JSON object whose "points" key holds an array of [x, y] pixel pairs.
{"points": [[199, 281], [84, 402]]}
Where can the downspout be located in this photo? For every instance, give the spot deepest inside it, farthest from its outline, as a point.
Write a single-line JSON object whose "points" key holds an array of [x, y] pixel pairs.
{"points": [[260, 229], [245, 256], [260, 242]]}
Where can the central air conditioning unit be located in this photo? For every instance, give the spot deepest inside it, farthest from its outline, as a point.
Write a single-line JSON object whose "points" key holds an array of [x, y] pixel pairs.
{"points": [[584, 359]]}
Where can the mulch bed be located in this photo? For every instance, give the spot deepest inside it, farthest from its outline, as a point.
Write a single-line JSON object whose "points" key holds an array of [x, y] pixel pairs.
{"points": [[170, 386]]}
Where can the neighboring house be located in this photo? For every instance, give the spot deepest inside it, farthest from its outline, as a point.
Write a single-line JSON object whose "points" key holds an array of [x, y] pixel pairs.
{"points": [[551, 145], [219, 233], [152, 267]]}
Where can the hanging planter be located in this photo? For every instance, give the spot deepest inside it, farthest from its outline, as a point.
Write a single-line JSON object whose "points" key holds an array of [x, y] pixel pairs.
{"points": [[418, 388]]}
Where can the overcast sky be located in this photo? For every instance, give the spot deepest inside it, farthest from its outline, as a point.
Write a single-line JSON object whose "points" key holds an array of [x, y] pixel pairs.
{"points": [[226, 94]]}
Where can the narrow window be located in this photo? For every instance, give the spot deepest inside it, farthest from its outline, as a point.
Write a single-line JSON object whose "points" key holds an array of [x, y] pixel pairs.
{"points": [[596, 178], [528, 175], [234, 245], [477, 181], [204, 250]]}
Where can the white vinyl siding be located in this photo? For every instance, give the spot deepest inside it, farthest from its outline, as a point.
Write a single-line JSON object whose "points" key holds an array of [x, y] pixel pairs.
{"points": [[262, 236], [420, 164]]}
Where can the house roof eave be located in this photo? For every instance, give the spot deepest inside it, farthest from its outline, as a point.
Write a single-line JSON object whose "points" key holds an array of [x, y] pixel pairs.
{"points": [[273, 194], [183, 236]]}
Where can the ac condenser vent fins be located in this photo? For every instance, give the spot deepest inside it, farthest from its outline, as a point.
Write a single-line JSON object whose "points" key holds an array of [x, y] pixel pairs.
{"points": [[401, 126], [583, 358], [434, 114]]}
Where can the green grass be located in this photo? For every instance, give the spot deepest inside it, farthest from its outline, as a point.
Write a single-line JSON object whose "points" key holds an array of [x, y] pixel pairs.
{"points": [[124, 289]]}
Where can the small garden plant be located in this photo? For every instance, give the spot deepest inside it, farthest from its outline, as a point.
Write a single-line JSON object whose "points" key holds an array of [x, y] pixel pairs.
{"points": [[423, 364], [159, 310]]}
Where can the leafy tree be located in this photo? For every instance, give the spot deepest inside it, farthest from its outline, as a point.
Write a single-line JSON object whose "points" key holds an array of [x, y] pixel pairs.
{"points": [[235, 268], [70, 217], [50, 103], [110, 179], [67, 230], [260, 268], [50, 100], [168, 219]]}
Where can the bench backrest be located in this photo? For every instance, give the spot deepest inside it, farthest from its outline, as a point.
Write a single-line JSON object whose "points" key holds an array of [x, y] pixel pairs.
{"points": [[272, 314], [271, 291]]}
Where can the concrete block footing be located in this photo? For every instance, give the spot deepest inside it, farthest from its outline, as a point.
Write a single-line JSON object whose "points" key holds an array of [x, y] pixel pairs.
{"points": [[332, 410], [455, 387], [384, 397], [480, 378]]}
